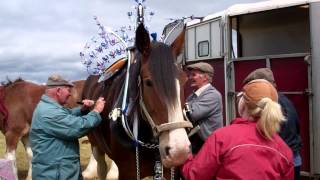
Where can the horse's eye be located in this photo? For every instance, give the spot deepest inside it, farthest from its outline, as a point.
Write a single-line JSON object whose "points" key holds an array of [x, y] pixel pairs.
{"points": [[148, 82]]}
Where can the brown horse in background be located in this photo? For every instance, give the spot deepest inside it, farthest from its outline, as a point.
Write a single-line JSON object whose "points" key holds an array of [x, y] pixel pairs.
{"points": [[19, 99], [155, 94]]}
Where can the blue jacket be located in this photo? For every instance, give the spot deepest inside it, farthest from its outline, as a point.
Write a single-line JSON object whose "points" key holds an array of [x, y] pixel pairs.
{"points": [[54, 137]]}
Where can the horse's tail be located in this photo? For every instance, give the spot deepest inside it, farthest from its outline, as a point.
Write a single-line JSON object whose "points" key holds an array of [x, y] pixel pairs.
{"points": [[3, 111]]}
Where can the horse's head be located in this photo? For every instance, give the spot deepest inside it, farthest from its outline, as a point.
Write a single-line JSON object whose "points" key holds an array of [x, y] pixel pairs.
{"points": [[162, 90]]}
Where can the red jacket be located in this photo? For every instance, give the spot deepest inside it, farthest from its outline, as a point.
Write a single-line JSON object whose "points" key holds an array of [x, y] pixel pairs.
{"points": [[239, 152]]}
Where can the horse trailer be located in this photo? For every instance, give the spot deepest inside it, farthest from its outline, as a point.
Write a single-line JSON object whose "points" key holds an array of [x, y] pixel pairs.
{"points": [[281, 35]]}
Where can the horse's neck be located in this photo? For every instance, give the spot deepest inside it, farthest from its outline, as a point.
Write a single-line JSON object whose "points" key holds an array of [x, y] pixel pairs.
{"points": [[2, 92], [2, 96]]}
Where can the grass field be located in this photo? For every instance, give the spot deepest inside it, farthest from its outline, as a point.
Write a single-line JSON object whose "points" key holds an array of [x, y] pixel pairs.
{"points": [[22, 162], [23, 166]]}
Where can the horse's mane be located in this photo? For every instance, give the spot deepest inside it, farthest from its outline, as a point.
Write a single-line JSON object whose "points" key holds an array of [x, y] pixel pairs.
{"points": [[164, 71], [10, 82]]}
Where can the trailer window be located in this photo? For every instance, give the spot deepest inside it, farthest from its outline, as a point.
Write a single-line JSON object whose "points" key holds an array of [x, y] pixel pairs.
{"points": [[203, 48]]}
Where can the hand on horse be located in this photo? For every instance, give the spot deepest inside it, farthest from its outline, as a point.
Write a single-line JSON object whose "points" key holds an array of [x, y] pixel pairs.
{"points": [[86, 104], [99, 105]]}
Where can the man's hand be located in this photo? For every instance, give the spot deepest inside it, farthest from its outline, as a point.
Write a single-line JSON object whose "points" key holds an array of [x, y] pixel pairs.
{"points": [[99, 105], [86, 104]]}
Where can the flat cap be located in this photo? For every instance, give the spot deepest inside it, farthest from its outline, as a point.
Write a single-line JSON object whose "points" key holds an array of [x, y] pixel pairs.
{"points": [[202, 66], [57, 80], [261, 73]]}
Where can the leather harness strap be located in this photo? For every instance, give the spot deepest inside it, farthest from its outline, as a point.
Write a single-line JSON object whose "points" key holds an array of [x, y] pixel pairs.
{"points": [[173, 125], [158, 129]]}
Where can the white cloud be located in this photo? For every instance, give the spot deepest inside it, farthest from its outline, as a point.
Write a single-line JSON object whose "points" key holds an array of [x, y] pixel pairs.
{"points": [[42, 37]]}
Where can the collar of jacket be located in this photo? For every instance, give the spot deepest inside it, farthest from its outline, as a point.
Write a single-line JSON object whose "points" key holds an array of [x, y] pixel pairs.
{"points": [[200, 90], [242, 121], [47, 99]]}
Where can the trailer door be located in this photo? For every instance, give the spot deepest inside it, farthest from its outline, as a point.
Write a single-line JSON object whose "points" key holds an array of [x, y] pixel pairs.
{"points": [[278, 39]]}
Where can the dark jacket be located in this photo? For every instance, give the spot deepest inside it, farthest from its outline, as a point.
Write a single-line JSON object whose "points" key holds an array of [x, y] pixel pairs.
{"points": [[290, 129]]}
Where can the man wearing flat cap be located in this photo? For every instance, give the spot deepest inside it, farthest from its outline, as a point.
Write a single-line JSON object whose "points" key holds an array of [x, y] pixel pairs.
{"points": [[55, 131], [204, 104]]}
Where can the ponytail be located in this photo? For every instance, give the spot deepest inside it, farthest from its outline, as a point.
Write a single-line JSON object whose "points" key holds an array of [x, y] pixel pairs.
{"points": [[269, 116]]}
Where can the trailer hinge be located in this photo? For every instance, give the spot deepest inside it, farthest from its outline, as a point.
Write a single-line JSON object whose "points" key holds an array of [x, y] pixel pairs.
{"points": [[308, 92], [307, 59]]}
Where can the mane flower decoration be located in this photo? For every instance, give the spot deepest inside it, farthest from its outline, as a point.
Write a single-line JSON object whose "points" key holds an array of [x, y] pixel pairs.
{"points": [[106, 53], [105, 50]]}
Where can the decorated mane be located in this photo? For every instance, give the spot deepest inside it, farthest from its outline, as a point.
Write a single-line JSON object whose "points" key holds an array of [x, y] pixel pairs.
{"points": [[9, 82]]}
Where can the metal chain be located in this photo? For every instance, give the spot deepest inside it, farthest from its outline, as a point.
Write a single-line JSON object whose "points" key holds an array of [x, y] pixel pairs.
{"points": [[148, 145], [158, 171], [137, 163], [172, 173]]}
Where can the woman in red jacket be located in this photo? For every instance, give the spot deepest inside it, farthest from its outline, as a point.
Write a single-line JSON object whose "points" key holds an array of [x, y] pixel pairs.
{"points": [[250, 147]]}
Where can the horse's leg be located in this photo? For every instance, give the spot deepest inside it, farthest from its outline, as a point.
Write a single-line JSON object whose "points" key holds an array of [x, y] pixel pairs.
{"points": [[11, 146], [91, 170], [113, 172], [26, 144], [102, 166], [126, 162], [127, 171]]}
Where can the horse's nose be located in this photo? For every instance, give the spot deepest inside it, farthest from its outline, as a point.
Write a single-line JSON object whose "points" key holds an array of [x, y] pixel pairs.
{"points": [[167, 149]]}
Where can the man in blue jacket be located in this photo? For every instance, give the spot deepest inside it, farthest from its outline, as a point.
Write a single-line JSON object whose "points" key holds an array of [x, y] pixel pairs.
{"points": [[205, 104], [55, 131]]}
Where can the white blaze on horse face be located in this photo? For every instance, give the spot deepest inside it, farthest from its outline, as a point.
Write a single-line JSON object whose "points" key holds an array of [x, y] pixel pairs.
{"points": [[176, 140]]}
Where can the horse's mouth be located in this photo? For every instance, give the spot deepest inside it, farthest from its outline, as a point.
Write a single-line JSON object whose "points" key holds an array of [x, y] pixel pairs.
{"points": [[170, 160]]}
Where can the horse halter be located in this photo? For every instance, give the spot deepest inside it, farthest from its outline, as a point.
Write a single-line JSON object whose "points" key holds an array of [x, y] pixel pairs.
{"points": [[158, 129]]}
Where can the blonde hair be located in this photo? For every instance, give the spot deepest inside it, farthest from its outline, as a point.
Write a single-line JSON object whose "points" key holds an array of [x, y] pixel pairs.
{"points": [[269, 116]]}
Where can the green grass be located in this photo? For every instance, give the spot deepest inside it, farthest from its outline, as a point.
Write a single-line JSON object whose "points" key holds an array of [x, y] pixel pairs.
{"points": [[22, 162]]}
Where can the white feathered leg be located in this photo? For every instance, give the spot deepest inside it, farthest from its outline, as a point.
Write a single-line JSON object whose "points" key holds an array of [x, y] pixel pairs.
{"points": [[29, 154]]}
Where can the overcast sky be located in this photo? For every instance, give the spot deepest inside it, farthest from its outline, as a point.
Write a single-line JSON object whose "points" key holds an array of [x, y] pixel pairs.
{"points": [[43, 37]]}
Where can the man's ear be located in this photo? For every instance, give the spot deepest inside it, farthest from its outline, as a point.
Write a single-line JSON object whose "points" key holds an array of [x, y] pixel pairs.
{"points": [[58, 91]]}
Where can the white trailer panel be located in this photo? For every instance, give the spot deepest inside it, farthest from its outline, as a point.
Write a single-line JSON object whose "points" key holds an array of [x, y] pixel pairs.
{"points": [[204, 40]]}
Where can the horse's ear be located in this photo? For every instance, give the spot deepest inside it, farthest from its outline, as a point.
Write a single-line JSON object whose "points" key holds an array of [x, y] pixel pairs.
{"points": [[142, 40], [178, 43]]}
